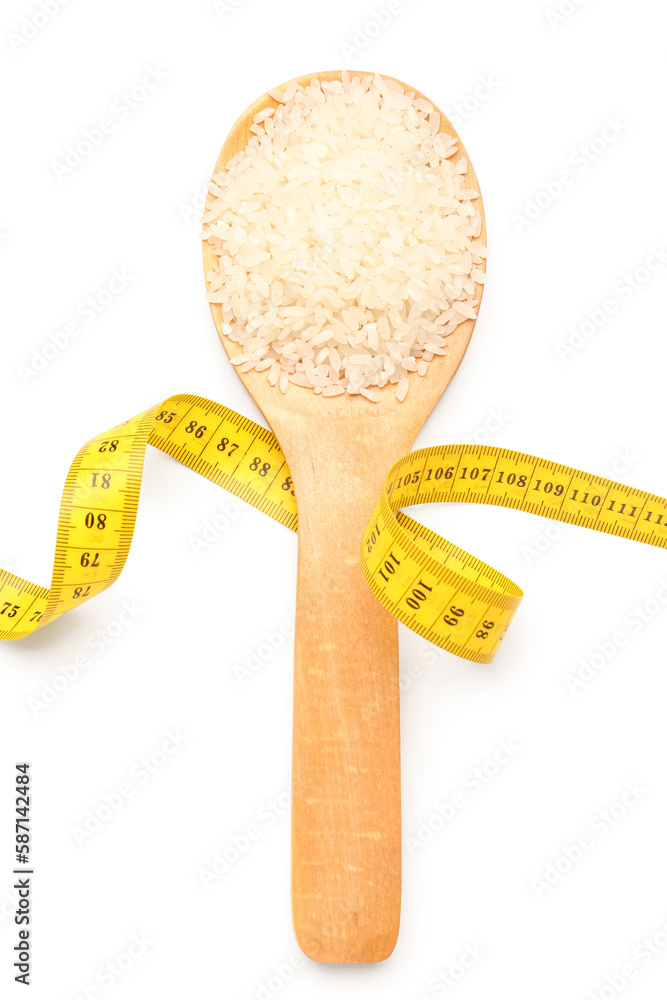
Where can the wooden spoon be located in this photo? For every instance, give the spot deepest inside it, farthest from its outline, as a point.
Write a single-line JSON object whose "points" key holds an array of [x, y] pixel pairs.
{"points": [[346, 806]]}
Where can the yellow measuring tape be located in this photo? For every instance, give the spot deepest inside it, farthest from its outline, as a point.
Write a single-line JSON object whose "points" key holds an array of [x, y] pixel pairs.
{"points": [[445, 594]]}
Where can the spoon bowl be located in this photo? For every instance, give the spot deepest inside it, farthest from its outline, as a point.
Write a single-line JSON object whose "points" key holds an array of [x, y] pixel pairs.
{"points": [[346, 812]]}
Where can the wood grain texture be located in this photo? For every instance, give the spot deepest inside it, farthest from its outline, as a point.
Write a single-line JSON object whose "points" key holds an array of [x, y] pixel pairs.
{"points": [[346, 808]]}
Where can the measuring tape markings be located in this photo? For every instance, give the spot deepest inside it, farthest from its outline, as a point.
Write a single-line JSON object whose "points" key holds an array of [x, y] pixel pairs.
{"points": [[427, 592], [224, 448], [418, 592], [101, 494], [445, 594]]}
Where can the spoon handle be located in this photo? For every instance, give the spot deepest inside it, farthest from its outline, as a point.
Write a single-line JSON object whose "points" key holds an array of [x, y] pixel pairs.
{"points": [[346, 801]]}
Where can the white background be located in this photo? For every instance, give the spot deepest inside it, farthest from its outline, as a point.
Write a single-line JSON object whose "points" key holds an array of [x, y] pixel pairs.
{"points": [[530, 93]]}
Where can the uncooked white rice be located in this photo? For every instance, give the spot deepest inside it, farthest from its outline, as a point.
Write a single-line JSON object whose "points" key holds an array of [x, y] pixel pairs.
{"points": [[347, 241]]}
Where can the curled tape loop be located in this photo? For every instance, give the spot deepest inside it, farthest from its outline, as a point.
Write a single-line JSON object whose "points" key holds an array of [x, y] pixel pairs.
{"points": [[435, 588]]}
